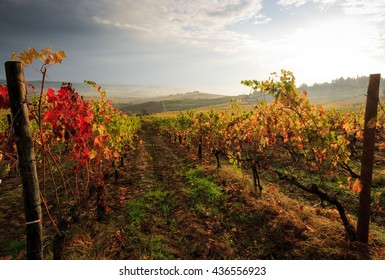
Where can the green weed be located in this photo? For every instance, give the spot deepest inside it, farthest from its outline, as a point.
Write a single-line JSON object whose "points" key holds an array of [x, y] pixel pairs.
{"points": [[136, 211], [15, 246], [157, 195], [204, 194]]}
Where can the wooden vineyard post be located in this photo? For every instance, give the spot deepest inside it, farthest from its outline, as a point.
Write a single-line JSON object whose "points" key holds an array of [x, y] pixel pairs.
{"points": [[368, 158], [26, 159]]}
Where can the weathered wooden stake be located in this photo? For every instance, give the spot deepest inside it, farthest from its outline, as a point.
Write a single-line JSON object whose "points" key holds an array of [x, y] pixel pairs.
{"points": [[368, 157], [9, 119], [26, 158]]}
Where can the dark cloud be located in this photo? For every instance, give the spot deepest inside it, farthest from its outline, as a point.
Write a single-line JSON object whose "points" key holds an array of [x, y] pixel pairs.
{"points": [[65, 25], [45, 18], [69, 25]]}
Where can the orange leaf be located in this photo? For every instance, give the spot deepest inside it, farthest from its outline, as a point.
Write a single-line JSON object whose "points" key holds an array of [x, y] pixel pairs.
{"points": [[357, 186], [381, 145], [98, 142]]}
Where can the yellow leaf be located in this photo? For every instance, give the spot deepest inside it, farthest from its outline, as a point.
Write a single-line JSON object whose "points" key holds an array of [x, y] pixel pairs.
{"points": [[304, 94], [60, 55], [46, 51], [93, 154], [101, 129], [42, 57], [14, 56], [33, 53]]}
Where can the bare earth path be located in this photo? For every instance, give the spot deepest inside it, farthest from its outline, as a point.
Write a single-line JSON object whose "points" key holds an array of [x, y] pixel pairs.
{"points": [[169, 222], [171, 216]]}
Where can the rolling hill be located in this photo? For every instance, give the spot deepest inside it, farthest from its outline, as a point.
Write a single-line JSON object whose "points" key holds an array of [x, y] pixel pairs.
{"points": [[189, 100]]}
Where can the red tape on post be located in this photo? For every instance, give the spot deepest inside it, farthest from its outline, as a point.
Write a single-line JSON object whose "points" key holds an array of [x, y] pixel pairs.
{"points": [[34, 222]]}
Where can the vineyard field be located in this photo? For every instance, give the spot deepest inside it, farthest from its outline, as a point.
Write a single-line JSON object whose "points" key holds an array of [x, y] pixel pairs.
{"points": [[159, 212], [284, 179]]}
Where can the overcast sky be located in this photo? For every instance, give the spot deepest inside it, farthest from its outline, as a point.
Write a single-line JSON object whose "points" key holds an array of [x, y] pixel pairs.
{"points": [[198, 44]]}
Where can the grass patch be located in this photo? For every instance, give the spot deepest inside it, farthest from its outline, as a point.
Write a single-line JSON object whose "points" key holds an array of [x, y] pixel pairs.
{"points": [[136, 211], [158, 196], [204, 194], [156, 249], [147, 217], [14, 247], [161, 202]]}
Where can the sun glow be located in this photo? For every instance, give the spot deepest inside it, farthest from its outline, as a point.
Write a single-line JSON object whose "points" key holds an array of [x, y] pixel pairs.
{"points": [[329, 49]]}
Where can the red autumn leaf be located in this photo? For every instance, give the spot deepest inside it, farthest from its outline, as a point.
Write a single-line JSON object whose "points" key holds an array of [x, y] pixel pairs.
{"points": [[86, 153], [4, 98], [51, 95]]}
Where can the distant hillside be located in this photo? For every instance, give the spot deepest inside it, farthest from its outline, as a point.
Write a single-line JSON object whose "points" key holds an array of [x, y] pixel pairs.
{"points": [[341, 91], [152, 99], [194, 95], [179, 102]]}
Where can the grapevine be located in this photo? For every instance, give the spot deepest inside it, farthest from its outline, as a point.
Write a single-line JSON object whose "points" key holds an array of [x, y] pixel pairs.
{"points": [[289, 136], [76, 142]]}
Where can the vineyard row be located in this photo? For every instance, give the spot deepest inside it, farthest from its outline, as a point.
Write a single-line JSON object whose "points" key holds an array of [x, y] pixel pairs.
{"points": [[315, 149]]}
